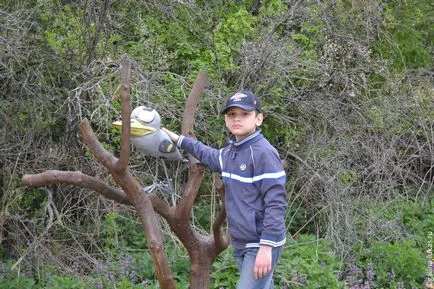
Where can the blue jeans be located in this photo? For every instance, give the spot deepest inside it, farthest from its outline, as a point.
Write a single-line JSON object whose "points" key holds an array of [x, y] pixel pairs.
{"points": [[245, 259]]}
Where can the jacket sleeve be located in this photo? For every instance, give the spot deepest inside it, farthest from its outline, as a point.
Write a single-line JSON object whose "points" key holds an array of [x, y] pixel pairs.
{"points": [[272, 179], [207, 155]]}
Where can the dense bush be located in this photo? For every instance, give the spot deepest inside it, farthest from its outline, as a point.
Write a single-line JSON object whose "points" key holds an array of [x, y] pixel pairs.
{"points": [[348, 100]]}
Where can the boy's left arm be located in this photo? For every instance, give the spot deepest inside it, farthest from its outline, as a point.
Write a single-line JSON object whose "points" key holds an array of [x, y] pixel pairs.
{"points": [[272, 187], [272, 179]]}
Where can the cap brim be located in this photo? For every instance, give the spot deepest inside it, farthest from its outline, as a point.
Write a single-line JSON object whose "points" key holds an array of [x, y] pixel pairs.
{"points": [[244, 107]]}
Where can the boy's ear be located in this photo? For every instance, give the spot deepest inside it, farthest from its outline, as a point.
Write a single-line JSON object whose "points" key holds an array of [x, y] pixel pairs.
{"points": [[259, 119]]}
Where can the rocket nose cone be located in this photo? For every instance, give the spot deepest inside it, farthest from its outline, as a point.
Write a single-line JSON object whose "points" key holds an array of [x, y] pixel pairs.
{"points": [[143, 114]]}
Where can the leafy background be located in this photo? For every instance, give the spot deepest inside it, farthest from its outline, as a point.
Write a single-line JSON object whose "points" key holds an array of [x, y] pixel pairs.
{"points": [[347, 88]]}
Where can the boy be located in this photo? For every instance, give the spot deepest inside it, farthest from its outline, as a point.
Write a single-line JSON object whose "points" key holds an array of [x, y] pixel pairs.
{"points": [[255, 195]]}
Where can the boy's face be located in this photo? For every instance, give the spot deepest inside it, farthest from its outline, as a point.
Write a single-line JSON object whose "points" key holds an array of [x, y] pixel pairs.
{"points": [[242, 123]]}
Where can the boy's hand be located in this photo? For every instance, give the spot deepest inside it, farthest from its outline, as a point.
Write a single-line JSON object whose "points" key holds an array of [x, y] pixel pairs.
{"points": [[173, 136], [262, 262]]}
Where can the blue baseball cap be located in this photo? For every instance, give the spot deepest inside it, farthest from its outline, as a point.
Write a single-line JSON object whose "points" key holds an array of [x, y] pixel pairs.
{"points": [[245, 100]]}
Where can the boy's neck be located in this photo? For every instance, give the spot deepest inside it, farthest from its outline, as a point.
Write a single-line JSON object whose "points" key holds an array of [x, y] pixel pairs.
{"points": [[240, 138]]}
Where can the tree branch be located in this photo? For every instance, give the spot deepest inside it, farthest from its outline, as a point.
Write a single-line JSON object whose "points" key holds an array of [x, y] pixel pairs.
{"points": [[196, 172], [75, 178], [106, 158], [221, 242], [122, 163], [85, 181], [190, 109], [162, 208], [195, 177]]}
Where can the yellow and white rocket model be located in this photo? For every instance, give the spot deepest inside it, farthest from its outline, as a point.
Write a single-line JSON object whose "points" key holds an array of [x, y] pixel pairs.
{"points": [[147, 136]]}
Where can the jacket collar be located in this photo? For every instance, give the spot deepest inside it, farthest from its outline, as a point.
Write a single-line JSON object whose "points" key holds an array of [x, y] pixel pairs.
{"points": [[249, 139]]}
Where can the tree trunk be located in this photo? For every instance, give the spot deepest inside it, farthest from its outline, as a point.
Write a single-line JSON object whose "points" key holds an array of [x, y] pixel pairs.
{"points": [[201, 266]]}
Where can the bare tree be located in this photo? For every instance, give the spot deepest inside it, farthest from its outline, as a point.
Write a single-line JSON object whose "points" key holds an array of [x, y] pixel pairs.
{"points": [[202, 249]]}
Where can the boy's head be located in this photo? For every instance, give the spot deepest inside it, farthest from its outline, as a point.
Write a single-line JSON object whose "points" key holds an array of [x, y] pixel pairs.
{"points": [[243, 114], [245, 100]]}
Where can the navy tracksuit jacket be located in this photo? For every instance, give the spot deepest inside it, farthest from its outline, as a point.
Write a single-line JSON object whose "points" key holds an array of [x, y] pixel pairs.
{"points": [[254, 181]]}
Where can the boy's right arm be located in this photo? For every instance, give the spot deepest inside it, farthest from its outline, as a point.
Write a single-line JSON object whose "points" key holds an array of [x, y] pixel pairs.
{"points": [[205, 154], [173, 136]]}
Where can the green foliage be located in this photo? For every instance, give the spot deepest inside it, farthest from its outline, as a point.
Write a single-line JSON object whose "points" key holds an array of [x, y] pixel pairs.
{"points": [[308, 262], [119, 232], [64, 282], [230, 35], [311, 33], [407, 25], [395, 244], [17, 283], [111, 229], [282, 135], [133, 267], [273, 8], [225, 272], [407, 263], [17, 279], [387, 117], [35, 115], [412, 218], [348, 177], [297, 217], [65, 36], [417, 218], [126, 270], [31, 203]]}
